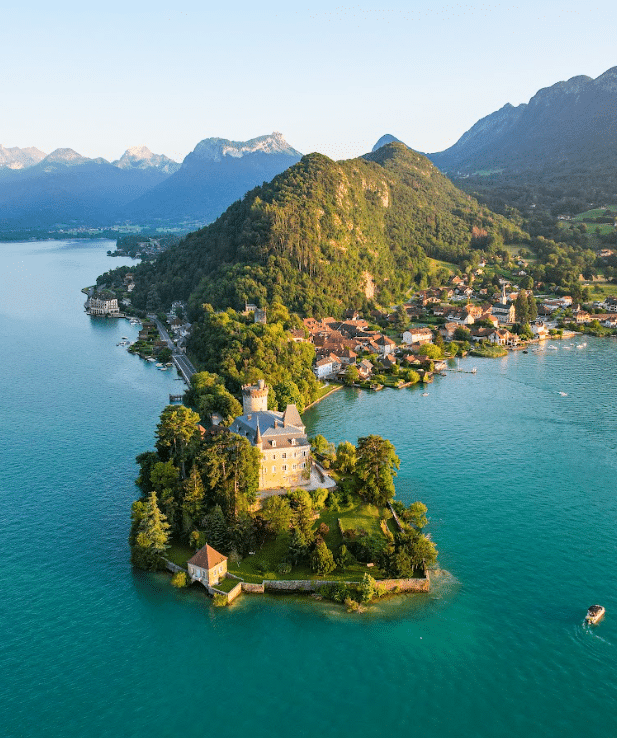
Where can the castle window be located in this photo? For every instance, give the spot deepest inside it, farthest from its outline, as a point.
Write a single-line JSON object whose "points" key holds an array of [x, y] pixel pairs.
{"points": [[284, 467], [294, 467], [293, 441], [273, 443], [274, 456], [284, 455], [273, 470]]}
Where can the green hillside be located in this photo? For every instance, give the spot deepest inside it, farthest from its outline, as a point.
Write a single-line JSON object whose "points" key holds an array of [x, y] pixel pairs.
{"points": [[324, 236]]}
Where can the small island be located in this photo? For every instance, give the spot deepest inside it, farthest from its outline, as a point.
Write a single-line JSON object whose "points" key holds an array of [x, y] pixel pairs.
{"points": [[248, 503]]}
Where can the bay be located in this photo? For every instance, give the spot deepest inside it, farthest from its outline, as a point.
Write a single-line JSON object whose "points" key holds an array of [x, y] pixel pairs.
{"points": [[520, 485]]}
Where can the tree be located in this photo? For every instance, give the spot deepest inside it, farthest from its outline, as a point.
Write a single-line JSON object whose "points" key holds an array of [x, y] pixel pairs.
{"points": [[298, 547], [416, 515], [368, 587], [352, 374], [277, 512], [194, 500], [152, 537], [322, 560], [345, 458], [215, 530], [230, 465], [402, 319], [462, 334], [164, 479], [176, 430], [431, 351], [521, 307], [375, 467]]}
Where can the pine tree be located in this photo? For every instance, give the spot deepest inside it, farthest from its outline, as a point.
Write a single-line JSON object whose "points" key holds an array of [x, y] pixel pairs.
{"points": [[152, 537], [194, 500]]}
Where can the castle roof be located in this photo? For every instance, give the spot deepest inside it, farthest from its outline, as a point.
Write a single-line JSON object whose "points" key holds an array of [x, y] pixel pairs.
{"points": [[267, 426]]}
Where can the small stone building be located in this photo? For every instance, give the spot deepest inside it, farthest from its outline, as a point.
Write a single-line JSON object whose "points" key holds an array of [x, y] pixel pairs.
{"points": [[207, 566]]}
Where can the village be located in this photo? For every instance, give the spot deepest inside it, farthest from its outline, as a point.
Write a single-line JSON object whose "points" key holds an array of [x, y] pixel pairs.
{"points": [[440, 323]]}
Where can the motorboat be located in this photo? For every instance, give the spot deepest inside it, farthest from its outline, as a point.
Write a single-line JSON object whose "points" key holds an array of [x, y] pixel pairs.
{"points": [[594, 614]]}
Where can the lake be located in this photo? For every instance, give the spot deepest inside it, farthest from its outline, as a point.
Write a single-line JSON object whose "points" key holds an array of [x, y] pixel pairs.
{"points": [[520, 485]]}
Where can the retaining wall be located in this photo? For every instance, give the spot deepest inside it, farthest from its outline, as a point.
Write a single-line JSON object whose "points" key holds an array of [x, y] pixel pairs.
{"points": [[250, 587], [174, 568]]}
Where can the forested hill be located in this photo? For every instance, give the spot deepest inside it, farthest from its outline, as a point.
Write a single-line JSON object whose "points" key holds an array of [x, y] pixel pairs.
{"points": [[324, 236]]}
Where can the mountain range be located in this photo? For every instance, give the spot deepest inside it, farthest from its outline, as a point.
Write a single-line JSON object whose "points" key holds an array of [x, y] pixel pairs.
{"points": [[63, 187], [563, 141]]}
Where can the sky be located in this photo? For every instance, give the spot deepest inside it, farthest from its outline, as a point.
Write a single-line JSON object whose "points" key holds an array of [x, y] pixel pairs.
{"points": [[99, 77]]}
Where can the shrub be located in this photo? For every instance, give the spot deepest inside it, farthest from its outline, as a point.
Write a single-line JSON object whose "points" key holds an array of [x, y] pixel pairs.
{"points": [[351, 605], [219, 600], [179, 580], [318, 497], [284, 567]]}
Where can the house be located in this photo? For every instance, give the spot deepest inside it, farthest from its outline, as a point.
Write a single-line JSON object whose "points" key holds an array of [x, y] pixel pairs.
{"points": [[447, 330], [581, 316], [325, 367], [385, 345], [103, 303], [365, 368], [503, 337], [539, 330], [281, 438], [207, 566], [417, 335], [347, 356]]}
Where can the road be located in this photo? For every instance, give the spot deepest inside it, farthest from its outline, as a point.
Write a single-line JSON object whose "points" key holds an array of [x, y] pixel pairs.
{"points": [[180, 360]]}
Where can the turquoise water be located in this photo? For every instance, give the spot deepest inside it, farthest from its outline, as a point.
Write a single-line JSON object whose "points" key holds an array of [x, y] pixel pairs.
{"points": [[520, 484]]}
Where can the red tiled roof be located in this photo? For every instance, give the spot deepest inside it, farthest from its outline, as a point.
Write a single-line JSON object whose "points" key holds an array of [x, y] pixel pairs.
{"points": [[207, 558]]}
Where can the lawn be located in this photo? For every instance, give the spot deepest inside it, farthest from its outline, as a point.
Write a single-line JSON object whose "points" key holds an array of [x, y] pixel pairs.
{"points": [[263, 564], [179, 553], [227, 584]]}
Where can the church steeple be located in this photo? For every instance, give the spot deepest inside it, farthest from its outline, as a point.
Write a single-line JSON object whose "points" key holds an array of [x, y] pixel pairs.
{"points": [[503, 294]]}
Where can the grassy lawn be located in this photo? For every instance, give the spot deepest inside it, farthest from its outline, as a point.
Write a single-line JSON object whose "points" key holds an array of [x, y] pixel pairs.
{"points": [[179, 553], [226, 585], [264, 563], [489, 352]]}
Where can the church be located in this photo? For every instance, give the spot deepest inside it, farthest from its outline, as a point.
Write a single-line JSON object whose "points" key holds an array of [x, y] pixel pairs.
{"points": [[281, 438]]}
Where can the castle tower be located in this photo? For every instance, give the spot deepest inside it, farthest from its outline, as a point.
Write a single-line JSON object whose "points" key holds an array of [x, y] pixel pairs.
{"points": [[255, 397]]}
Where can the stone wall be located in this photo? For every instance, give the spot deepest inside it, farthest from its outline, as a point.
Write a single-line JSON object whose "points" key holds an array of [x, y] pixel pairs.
{"points": [[250, 587], [406, 585], [173, 568]]}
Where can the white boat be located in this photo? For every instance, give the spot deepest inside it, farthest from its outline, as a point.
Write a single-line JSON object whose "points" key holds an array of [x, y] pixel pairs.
{"points": [[553, 348], [563, 394], [594, 614], [162, 368], [159, 365]]}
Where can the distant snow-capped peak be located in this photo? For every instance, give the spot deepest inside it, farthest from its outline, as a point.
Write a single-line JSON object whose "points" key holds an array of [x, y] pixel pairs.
{"points": [[215, 149], [140, 157]]}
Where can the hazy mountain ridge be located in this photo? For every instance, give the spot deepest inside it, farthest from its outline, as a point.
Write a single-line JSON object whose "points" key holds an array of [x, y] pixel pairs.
{"points": [[215, 174], [566, 123], [16, 158], [65, 186]]}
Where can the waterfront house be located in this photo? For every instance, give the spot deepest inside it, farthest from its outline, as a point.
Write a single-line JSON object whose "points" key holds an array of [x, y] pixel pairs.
{"points": [[103, 303], [207, 566], [365, 368]]}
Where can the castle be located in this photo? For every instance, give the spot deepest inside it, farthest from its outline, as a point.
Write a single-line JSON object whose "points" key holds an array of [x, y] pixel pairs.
{"points": [[281, 438]]}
